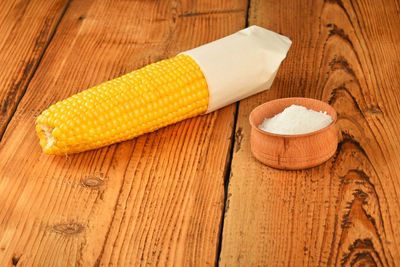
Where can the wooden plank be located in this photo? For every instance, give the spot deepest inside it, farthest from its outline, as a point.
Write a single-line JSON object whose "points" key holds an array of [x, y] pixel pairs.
{"points": [[157, 199], [25, 29], [346, 211]]}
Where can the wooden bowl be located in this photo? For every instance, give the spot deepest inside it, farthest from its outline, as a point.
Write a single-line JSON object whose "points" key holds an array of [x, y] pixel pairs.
{"points": [[292, 152]]}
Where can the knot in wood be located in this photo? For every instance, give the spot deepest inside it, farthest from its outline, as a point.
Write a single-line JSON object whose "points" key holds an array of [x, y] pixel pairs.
{"points": [[92, 182], [68, 228], [15, 260]]}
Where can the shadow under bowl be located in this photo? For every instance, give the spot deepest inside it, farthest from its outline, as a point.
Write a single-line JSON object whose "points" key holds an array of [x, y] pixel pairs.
{"points": [[292, 152]]}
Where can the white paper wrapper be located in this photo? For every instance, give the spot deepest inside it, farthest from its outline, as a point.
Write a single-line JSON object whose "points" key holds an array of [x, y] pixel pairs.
{"points": [[241, 64]]}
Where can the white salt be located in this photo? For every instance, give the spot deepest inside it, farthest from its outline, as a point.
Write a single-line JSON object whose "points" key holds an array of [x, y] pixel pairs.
{"points": [[296, 120]]}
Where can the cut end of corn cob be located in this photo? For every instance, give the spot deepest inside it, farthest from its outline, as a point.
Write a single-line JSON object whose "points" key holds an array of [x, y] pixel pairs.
{"points": [[46, 136], [139, 102]]}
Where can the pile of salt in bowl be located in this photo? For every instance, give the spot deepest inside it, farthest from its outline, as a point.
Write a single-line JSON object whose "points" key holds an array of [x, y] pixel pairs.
{"points": [[296, 120]]}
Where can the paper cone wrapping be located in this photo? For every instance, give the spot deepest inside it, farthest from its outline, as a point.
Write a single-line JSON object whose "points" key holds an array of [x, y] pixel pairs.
{"points": [[240, 65]]}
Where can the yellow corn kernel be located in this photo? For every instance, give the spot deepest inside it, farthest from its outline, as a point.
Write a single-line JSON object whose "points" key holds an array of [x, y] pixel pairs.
{"points": [[139, 102]]}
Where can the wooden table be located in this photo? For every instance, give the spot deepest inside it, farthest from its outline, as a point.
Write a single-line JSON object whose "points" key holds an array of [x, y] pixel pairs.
{"points": [[192, 194]]}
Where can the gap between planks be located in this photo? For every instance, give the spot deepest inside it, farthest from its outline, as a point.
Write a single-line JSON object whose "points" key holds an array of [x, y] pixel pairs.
{"points": [[35, 68], [229, 161], [227, 178]]}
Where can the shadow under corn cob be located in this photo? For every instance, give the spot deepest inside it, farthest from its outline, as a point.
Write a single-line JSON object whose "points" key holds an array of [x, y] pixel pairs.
{"points": [[142, 101]]}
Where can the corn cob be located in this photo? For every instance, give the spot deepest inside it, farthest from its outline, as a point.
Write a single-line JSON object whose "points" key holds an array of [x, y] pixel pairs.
{"points": [[142, 101], [197, 81]]}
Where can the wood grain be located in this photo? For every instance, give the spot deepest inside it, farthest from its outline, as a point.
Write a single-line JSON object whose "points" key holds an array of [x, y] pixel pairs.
{"points": [[26, 28], [155, 200], [346, 211]]}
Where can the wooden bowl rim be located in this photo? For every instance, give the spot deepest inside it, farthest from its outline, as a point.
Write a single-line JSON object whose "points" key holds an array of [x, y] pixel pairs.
{"points": [[333, 124]]}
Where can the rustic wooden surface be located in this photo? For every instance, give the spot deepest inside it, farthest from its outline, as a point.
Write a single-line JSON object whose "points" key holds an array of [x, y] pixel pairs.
{"points": [[160, 198], [346, 211], [155, 200], [26, 28]]}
